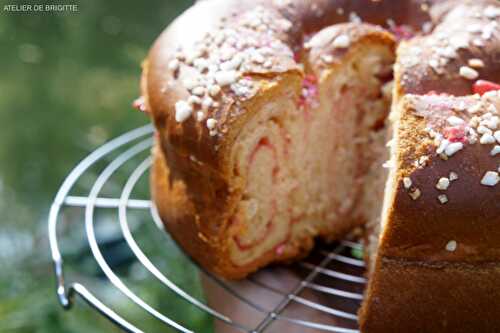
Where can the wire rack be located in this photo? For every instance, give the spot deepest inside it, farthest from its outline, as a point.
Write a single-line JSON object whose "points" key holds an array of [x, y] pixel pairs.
{"points": [[321, 293]]}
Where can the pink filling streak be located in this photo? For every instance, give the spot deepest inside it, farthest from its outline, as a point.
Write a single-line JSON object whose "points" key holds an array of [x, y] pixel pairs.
{"points": [[309, 96], [140, 104]]}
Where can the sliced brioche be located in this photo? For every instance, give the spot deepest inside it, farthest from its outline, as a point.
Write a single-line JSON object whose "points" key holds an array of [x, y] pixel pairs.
{"points": [[275, 194]]}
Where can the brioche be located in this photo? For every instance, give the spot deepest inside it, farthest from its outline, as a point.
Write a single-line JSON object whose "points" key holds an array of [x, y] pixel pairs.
{"points": [[272, 119]]}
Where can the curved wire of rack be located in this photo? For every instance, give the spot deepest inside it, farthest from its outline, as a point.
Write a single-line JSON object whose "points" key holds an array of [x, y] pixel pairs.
{"points": [[129, 146]]}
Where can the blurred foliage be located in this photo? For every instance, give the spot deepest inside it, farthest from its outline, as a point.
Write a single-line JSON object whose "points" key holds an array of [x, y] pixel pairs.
{"points": [[66, 85]]}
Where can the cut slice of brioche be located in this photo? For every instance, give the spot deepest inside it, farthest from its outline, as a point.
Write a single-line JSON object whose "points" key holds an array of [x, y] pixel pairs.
{"points": [[300, 162]]}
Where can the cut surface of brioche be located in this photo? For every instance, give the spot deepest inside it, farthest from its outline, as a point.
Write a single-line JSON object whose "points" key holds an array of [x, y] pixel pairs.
{"points": [[289, 194]]}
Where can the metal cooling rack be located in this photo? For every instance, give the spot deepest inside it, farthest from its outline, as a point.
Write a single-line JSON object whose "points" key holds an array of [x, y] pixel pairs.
{"points": [[324, 283]]}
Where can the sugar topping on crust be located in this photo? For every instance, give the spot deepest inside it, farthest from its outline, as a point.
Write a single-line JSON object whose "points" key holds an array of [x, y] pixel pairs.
{"points": [[223, 60], [470, 120], [451, 246], [249, 44], [227, 63], [455, 51], [230, 61], [407, 182], [443, 184], [454, 125], [491, 178], [341, 41], [468, 73]]}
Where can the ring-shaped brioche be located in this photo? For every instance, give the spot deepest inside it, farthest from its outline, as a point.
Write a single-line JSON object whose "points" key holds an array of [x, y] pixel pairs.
{"points": [[447, 46]]}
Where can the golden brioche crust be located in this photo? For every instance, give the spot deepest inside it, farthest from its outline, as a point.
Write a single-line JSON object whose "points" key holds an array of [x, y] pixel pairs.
{"points": [[438, 255], [421, 227], [417, 296]]}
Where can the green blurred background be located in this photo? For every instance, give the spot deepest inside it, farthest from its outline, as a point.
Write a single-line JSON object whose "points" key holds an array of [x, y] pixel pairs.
{"points": [[67, 81]]}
